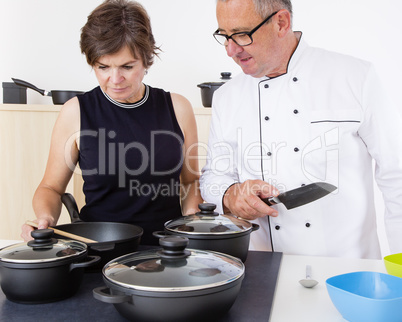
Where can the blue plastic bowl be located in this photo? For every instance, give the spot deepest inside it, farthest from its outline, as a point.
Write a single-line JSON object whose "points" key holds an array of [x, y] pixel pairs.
{"points": [[367, 296]]}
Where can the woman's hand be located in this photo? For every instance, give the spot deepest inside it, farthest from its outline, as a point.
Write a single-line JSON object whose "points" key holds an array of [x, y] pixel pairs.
{"points": [[26, 229]]}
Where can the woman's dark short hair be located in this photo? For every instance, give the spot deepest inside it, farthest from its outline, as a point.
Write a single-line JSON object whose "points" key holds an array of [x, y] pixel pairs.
{"points": [[115, 24]]}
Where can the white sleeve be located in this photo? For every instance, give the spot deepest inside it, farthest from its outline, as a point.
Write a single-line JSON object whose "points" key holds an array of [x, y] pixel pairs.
{"points": [[220, 170], [381, 130]]}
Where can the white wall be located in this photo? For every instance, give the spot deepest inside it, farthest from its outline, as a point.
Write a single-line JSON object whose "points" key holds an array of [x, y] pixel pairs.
{"points": [[40, 42]]}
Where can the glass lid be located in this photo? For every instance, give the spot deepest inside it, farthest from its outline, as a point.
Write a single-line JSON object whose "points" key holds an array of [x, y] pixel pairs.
{"points": [[173, 268], [207, 221], [43, 248]]}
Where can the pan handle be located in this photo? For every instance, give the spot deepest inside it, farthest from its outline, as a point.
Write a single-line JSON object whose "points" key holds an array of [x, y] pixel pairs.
{"points": [[103, 294], [23, 83], [68, 200], [103, 247]]}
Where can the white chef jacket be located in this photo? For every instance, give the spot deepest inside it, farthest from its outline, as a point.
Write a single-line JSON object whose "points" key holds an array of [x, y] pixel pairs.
{"points": [[326, 119]]}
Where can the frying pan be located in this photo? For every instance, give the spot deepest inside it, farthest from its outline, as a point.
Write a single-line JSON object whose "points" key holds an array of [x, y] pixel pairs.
{"points": [[59, 97], [113, 239]]}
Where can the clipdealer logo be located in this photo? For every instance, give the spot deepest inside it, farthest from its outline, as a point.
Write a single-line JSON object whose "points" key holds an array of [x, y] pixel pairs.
{"points": [[226, 162], [139, 189], [112, 156], [318, 161]]}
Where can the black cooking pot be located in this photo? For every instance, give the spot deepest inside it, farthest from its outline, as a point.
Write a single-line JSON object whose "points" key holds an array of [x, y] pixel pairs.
{"points": [[58, 97], [113, 239], [208, 230], [208, 89], [44, 269], [172, 284]]}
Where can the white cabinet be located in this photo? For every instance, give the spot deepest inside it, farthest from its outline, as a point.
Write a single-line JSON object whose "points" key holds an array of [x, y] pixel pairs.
{"points": [[25, 132]]}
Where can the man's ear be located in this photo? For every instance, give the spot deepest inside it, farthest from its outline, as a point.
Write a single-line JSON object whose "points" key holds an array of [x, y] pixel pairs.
{"points": [[283, 20]]}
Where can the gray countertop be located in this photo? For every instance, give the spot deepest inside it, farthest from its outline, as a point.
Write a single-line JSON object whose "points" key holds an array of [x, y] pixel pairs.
{"points": [[252, 304]]}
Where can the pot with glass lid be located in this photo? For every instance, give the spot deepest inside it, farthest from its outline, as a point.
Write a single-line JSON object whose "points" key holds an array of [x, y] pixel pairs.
{"points": [[44, 269], [208, 230], [172, 283]]}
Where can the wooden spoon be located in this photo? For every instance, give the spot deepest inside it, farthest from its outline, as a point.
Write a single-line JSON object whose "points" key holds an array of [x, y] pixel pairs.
{"points": [[63, 233]]}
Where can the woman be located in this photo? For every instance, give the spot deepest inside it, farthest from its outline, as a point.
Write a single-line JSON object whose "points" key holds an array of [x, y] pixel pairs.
{"points": [[134, 143]]}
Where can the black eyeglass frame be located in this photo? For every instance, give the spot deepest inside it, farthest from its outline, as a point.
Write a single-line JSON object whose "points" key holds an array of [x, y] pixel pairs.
{"points": [[248, 33]]}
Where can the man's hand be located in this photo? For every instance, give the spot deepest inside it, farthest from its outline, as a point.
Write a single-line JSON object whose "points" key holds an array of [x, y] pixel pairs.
{"points": [[244, 199]]}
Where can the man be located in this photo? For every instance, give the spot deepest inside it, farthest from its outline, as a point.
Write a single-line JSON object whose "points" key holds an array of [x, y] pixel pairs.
{"points": [[298, 115]]}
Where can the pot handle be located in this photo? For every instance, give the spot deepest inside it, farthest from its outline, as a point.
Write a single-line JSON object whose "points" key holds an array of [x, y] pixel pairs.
{"points": [[204, 86], [255, 227], [102, 294], [161, 234], [91, 262]]}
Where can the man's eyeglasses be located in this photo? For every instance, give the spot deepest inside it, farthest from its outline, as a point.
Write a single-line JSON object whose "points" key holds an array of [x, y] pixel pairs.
{"points": [[243, 38]]}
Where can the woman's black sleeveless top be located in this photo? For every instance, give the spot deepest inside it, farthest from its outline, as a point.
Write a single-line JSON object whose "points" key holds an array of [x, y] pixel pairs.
{"points": [[131, 158]]}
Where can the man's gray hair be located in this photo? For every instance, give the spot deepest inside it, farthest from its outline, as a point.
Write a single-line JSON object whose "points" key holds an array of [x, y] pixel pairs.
{"points": [[265, 7]]}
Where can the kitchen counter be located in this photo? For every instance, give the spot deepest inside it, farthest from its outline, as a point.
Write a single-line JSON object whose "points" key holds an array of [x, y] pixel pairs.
{"points": [[252, 304], [291, 301], [30, 107], [57, 108]]}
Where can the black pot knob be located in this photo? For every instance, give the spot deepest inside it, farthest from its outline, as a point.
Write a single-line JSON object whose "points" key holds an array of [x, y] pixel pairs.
{"points": [[174, 247], [207, 209], [226, 75], [42, 238]]}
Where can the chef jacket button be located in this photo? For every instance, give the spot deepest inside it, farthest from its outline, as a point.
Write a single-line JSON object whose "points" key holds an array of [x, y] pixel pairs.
{"points": [[295, 79], [308, 224], [295, 111], [269, 154], [303, 184], [296, 149], [266, 85], [266, 118], [277, 227]]}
